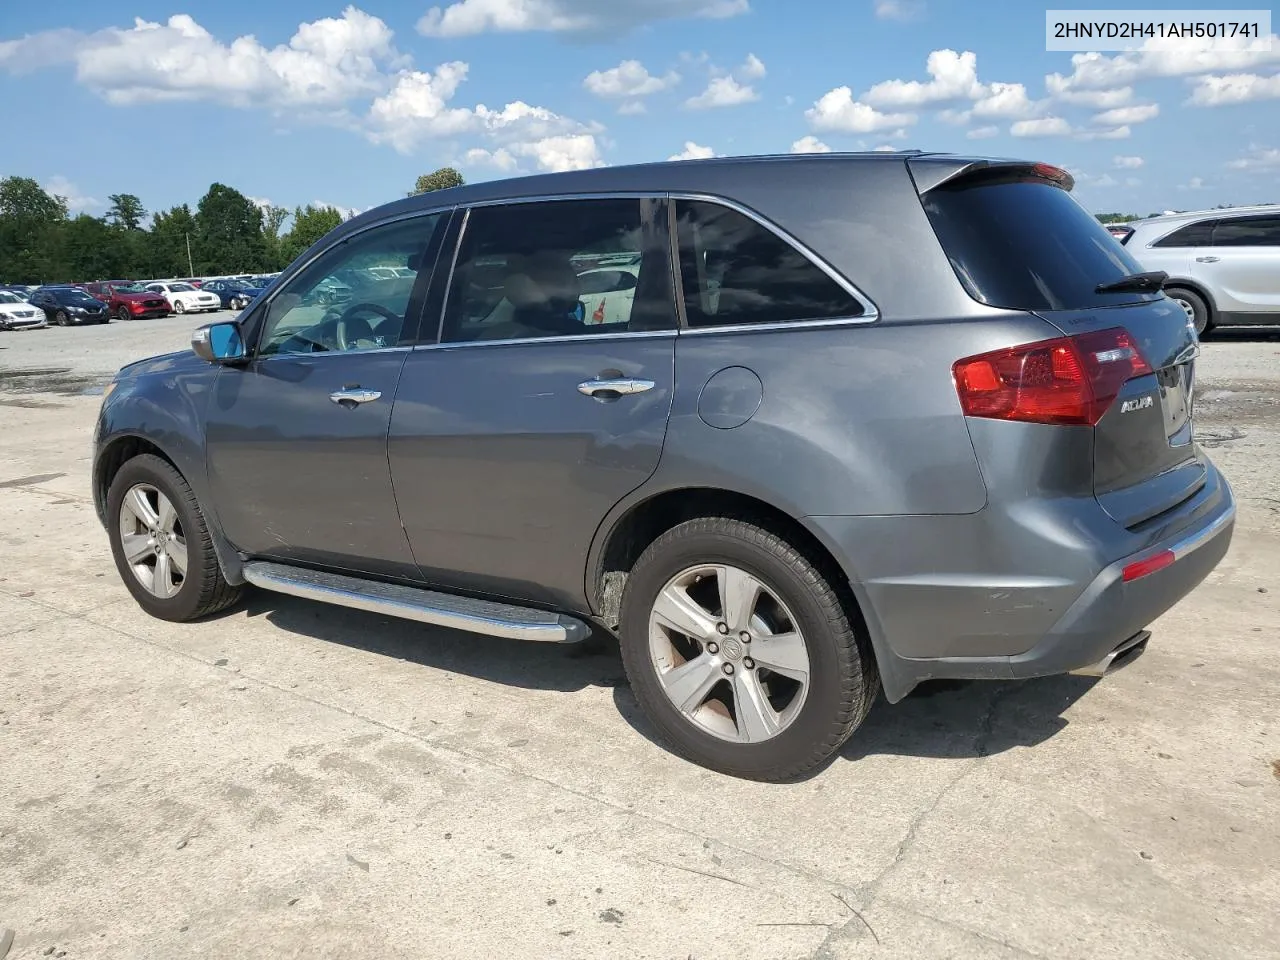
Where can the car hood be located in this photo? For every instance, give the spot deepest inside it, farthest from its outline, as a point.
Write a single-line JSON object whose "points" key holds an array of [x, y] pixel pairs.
{"points": [[167, 363], [13, 309]]}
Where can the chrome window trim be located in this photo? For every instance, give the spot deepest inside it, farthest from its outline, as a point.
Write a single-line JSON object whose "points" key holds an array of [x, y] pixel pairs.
{"points": [[777, 325], [565, 338], [325, 354]]}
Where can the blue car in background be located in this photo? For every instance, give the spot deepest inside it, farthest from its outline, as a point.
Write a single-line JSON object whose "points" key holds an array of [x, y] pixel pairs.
{"points": [[234, 294]]}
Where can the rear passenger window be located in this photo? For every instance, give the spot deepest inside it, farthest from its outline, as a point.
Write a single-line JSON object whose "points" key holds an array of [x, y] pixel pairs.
{"points": [[561, 268], [1192, 235], [1247, 232], [735, 271]]}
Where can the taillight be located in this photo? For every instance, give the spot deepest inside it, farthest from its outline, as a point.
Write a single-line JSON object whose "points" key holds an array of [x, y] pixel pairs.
{"points": [[1068, 380]]}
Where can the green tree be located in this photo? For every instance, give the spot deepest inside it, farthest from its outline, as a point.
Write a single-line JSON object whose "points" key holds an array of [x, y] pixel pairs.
{"points": [[91, 250], [166, 242], [310, 223], [126, 211], [1116, 217], [30, 220], [228, 237], [441, 179], [273, 219]]}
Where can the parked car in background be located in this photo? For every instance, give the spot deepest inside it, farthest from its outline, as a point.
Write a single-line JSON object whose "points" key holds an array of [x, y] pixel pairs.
{"points": [[184, 298], [233, 294], [801, 469], [1120, 231], [18, 314], [66, 305], [1223, 265], [18, 290], [129, 301]]}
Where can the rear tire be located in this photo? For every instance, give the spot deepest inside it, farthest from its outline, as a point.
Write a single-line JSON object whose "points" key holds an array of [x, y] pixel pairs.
{"points": [[1195, 307], [800, 602], [202, 590]]}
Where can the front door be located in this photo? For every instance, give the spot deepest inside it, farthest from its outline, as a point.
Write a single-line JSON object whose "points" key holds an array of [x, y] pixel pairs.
{"points": [[1242, 266], [546, 399], [297, 438]]}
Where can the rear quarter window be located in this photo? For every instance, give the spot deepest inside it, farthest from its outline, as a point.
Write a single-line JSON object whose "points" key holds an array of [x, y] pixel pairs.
{"points": [[1025, 244]]}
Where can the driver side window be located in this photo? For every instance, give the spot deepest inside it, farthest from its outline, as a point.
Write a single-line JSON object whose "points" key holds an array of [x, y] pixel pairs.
{"points": [[355, 296]]}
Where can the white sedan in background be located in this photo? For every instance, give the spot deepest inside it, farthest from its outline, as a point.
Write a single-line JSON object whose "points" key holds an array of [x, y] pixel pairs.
{"points": [[17, 314], [184, 298]]}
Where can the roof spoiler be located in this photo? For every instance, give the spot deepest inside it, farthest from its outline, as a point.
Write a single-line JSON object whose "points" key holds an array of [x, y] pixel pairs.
{"points": [[931, 174]]}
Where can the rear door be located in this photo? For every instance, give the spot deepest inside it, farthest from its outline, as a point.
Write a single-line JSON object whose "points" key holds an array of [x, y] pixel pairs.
{"points": [[1243, 265], [1022, 242], [515, 434]]}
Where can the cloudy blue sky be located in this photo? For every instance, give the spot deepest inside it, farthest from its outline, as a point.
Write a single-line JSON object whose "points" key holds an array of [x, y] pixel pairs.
{"points": [[298, 102]]}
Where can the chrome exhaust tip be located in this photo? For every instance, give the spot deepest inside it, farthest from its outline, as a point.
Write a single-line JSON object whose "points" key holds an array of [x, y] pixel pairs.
{"points": [[1121, 656]]}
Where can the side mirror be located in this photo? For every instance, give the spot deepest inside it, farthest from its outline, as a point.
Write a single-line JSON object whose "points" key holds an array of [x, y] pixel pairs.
{"points": [[218, 343]]}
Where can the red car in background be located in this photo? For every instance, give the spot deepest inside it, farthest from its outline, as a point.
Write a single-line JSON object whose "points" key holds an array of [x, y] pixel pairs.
{"points": [[129, 301]]}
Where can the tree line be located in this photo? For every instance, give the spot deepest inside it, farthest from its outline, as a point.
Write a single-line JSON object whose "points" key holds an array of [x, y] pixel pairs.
{"points": [[226, 233]]}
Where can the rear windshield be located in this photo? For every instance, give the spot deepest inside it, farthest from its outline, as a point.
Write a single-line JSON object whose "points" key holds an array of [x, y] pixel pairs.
{"points": [[1027, 245]]}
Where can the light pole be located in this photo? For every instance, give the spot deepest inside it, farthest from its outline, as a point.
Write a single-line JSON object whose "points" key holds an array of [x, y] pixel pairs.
{"points": [[190, 266]]}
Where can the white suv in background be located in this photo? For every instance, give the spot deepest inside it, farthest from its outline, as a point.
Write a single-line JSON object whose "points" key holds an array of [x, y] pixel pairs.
{"points": [[1223, 265]]}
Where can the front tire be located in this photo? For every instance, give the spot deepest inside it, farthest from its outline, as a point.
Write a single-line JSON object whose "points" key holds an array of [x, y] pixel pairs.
{"points": [[161, 543], [123, 314], [1194, 306], [742, 652], [62, 319], [179, 307]]}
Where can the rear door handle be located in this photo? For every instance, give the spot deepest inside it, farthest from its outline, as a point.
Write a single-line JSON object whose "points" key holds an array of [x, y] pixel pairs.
{"points": [[623, 386], [1207, 259], [350, 396]]}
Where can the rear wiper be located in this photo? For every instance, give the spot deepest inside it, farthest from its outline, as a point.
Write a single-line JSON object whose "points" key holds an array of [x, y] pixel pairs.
{"points": [[1152, 282]]}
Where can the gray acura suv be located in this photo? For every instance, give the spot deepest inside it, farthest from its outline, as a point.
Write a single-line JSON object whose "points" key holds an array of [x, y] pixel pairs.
{"points": [[794, 429]]}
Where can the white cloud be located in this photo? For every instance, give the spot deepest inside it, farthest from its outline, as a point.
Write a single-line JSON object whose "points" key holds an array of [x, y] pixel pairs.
{"points": [[1127, 163], [837, 110], [809, 144], [753, 68], [1043, 127], [956, 118], [884, 148], [1257, 159], [326, 63], [899, 9], [629, 79], [261, 202], [693, 151], [557, 154], [468, 17], [77, 202], [954, 77], [1213, 91], [722, 92], [983, 133], [345, 212], [1162, 58], [1115, 133], [632, 108], [1123, 116], [1132, 182], [417, 108], [1008, 101], [1195, 183], [1059, 88], [1086, 180], [501, 159]]}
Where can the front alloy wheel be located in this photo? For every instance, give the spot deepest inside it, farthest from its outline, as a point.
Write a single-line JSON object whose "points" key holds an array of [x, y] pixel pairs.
{"points": [[179, 306], [153, 541], [62, 319]]}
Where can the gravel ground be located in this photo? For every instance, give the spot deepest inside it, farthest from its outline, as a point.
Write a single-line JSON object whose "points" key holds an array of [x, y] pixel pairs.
{"points": [[291, 780]]}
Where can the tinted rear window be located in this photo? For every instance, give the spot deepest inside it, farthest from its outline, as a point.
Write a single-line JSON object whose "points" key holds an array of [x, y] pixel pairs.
{"points": [[1027, 245]]}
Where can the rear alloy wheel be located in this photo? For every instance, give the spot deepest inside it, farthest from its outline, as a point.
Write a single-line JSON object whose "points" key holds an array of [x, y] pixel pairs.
{"points": [[124, 314], [61, 318], [1194, 306], [179, 306], [161, 543], [741, 652]]}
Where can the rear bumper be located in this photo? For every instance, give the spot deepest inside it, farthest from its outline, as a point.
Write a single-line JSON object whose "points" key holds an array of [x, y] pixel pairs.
{"points": [[1034, 590]]}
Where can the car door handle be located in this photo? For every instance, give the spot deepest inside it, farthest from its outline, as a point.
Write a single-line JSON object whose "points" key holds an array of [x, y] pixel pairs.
{"points": [[354, 395], [1207, 259], [623, 386]]}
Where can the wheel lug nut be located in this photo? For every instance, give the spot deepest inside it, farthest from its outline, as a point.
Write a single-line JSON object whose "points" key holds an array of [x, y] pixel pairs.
{"points": [[744, 637], [728, 669], [713, 648], [749, 663], [722, 628]]}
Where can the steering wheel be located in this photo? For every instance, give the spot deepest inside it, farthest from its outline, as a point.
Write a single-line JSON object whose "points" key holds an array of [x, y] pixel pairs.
{"points": [[341, 329]]}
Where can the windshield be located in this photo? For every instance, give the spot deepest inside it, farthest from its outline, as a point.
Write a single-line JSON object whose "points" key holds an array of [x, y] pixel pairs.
{"points": [[181, 288], [130, 288], [6, 297], [1027, 245], [74, 296]]}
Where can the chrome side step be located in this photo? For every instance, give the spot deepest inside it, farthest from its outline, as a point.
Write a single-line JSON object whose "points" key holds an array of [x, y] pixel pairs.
{"points": [[1121, 656], [413, 603]]}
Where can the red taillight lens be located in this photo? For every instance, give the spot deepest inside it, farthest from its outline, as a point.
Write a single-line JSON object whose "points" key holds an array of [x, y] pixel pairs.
{"points": [[1070, 380], [1136, 571]]}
